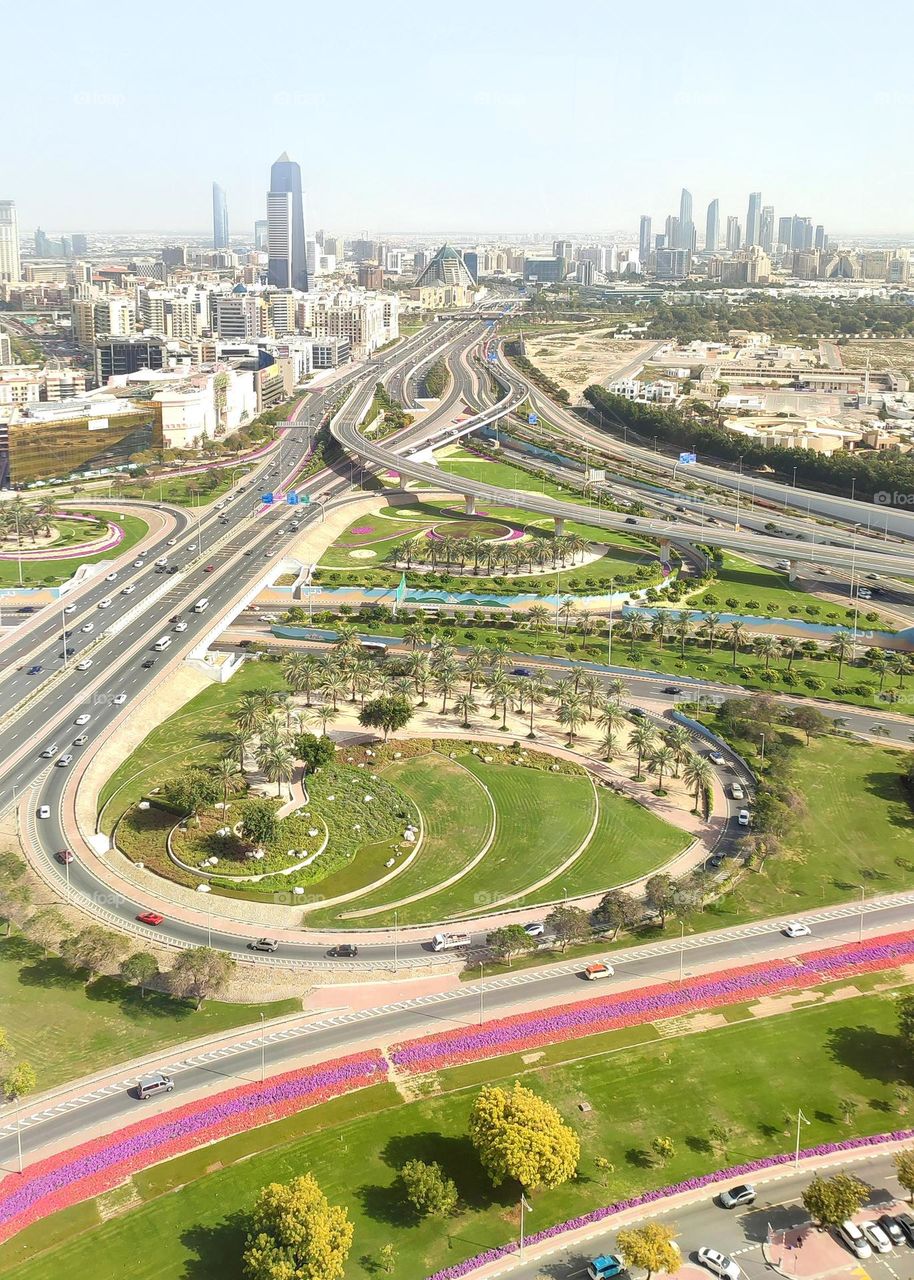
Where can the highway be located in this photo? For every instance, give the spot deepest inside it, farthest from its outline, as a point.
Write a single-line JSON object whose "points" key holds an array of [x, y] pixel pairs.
{"points": [[332, 1034]]}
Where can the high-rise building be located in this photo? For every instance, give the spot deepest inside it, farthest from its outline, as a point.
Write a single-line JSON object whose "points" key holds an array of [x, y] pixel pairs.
{"points": [[563, 249], [672, 264], [115, 356], [287, 267], [801, 235], [80, 245], [644, 238], [685, 220], [820, 238], [10, 263], [785, 232], [766, 235], [220, 218], [733, 233], [712, 227], [370, 276], [42, 244], [754, 218], [260, 233], [672, 232]]}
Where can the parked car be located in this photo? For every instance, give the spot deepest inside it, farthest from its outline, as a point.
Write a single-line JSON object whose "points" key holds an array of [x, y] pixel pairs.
{"points": [[877, 1238], [744, 1194], [851, 1235], [796, 929], [343, 951], [891, 1228], [906, 1223], [153, 1084], [535, 929], [716, 860], [718, 1263], [608, 1266], [151, 918]]}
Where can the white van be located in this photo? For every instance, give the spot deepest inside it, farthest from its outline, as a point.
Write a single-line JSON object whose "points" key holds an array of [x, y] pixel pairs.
{"points": [[156, 1082], [851, 1235], [594, 972], [162, 643], [202, 605], [105, 604], [84, 665]]}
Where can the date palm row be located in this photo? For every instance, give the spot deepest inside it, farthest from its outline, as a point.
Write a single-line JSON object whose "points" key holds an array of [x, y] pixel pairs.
{"points": [[537, 552]]}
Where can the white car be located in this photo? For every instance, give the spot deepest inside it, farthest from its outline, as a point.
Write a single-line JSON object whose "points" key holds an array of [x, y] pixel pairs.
{"points": [[192, 546], [796, 929], [877, 1238], [128, 590], [84, 665], [105, 604], [81, 740], [718, 1263], [84, 718], [71, 608], [535, 930], [854, 1238], [171, 542], [138, 564], [716, 758], [743, 817], [88, 626], [49, 752], [120, 699], [162, 560], [737, 792], [110, 577], [180, 626], [44, 811]]}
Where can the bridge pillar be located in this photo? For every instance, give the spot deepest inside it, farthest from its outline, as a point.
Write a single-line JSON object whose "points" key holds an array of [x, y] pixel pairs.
{"points": [[404, 480], [559, 526], [665, 551], [469, 504], [794, 571]]}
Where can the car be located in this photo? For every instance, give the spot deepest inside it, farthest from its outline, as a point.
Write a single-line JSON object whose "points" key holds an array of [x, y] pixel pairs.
{"points": [[120, 699], [138, 564], [105, 604], [87, 627], [171, 542], [147, 663], [594, 972], [192, 546], [81, 740], [162, 561], [743, 817], [44, 811], [796, 929], [521, 671], [876, 1237], [154, 1083], [719, 1263], [129, 589], [49, 752], [343, 951], [535, 929], [84, 665], [64, 856], [70, 608], [906, 1223], [637, 712], [716, 860], [607, 1266], [151, 918], [67, 652], [716, 758], [83, 718], [249, 552], [34, 670], [264, 944], [737, 792], [671, 690], [891, 1228], [630, 520], [745, 1193], [172, 569], [854, 1239], [111, 577], [160, 568], [180, 626], [209, 568], [64, 761]]}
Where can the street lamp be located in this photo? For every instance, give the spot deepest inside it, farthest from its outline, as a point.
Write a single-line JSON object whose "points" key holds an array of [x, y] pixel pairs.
{"points": [[482, 978], [263, 1049], [862, 909]]}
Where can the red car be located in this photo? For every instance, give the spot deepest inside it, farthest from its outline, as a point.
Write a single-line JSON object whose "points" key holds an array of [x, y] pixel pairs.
{"points": [[64, 856], [151, 917], [209, 568]]}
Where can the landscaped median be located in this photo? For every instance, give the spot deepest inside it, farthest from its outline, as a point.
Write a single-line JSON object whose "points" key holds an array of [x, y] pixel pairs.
{"points": [[95, 1167]]}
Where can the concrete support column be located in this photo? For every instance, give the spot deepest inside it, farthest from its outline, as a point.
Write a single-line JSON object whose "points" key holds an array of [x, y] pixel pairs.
{"points": [[469, 504], [794, 571], [559, 526], [665, 551], [404, 480]]}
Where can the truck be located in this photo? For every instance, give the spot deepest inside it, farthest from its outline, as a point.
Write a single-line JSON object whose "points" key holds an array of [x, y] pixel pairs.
{"points": [[450, 941], [201, 605]]}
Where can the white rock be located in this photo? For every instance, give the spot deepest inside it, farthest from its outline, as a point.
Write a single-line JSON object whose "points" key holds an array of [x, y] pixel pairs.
{"points": [[312, 831], [203, 888], [144, 804], [298, 889], [398, 755], [367, 799], [488, 759], [409, 837], [331, 798]]}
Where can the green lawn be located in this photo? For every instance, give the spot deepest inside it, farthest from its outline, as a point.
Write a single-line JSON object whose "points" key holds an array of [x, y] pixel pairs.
{"points": [[748, 1076], [51, 572], [185, 491], [67, 1029]]}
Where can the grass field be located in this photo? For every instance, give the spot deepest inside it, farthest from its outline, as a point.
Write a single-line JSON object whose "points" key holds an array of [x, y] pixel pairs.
{"points": [[746, 1076], [51, 572], [67, 1029], [186, 491]]}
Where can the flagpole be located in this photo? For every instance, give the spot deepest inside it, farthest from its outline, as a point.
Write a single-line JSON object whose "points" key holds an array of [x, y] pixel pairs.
{"points": [[800, 1117]]}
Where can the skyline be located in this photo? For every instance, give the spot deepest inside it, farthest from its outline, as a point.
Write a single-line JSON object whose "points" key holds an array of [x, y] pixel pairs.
{"points": [[383, 149]]}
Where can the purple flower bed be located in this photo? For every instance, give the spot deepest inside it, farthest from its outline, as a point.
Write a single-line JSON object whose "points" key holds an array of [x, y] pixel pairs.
{"points": [[663, 1193]]}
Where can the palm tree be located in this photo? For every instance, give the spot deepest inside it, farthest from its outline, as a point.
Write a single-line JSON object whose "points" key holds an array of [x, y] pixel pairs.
{"points": [[537, 693], [610, 719], [614, 688], [238, 742], [540, 616], [301, 672], [637, 628], [882, 665], [473, 671], [737, 631], [767, 647], [227, 771], [590, 686], [324, 713], [415, 634], [276, 764], [250, 715], [658, 627], [683, 631], [571, 714], [697, 774], [499, 690], [710, 625], [465, 705], [679, 740], [417, 666], [332, 684], [445, 682], [347, 638], [662, 758], [641, 740], [901, 666], [841, 648]]}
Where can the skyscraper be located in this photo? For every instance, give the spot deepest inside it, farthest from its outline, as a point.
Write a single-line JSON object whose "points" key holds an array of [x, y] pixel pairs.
{"points": [[785, 232], [220, 218], [733, 233], [644, 238], [10, 267], [286, 267], [754, 218], [712, 227], [685, 220], [766, 234]]}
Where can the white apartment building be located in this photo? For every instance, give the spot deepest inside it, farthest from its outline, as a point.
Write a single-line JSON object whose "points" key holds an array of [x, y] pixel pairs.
{"points": [[10, 264], [92, 317], [658, 392], [240, 315], [366, 320], [6, 349], [31, 385]]}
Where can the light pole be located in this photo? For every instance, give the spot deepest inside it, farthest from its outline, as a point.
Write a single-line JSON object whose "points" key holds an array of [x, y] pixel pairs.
{"points": [[800, 1119], [263, 1049], [862, 909], [396, 942], [681, 950], [482, 978]]}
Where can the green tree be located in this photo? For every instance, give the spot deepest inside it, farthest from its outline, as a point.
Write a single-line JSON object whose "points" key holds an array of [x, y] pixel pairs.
{"points": [[296, 1234], [509, 941], [664, 1149], [660, 895], [314, 751], [388, 713], [192, 791], [141, 968], [568, 924], [47, 927], [617, 910], [811, 721], [19, 1081], [94, 949], [259, 825], [829, 1201], [518, 1135], [430, 1193], [387, 1257], [652, 1247], [904, 1169], [201, 972]]}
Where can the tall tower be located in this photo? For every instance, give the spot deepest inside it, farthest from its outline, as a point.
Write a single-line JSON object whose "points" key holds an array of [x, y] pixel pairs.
{"points": [[754, 218], [685, 220], [712, 227], [644, 238], [287, 267], [220, 218], [766, 232], [10, 266]]}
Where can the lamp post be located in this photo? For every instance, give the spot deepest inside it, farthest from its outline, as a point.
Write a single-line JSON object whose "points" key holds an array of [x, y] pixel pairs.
{"points": [[396, 942], [263, 1049], [482, 978], [681, 950], [800, 1119], [862, 909]]}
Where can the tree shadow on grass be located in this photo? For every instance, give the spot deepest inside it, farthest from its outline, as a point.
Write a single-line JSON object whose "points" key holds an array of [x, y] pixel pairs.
{"points": [[872, 1054], [699, 1145], [217, 1250], [640, 1158], [458, 1161]]}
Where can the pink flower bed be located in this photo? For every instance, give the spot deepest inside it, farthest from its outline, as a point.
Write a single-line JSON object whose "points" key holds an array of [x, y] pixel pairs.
{"points": [[97, 1166], [363, 528], [666, 1000]]}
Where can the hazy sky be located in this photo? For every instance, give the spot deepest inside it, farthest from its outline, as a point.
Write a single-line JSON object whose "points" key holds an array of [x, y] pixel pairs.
{"points": [[517, 115]]}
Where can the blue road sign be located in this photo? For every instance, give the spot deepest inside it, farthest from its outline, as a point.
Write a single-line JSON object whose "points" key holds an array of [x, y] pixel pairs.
{"points": [[493, 357], [292, 499], [267, 498], [532, 419], [688, 458]]}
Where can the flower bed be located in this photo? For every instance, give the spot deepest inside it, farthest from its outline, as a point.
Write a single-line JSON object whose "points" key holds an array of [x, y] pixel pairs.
{"points": [[94, 1167], [666, 1000], [663, 1193]]}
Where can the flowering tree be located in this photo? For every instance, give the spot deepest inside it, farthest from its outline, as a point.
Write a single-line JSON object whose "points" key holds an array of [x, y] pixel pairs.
{"points": [[518, 1135]]}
